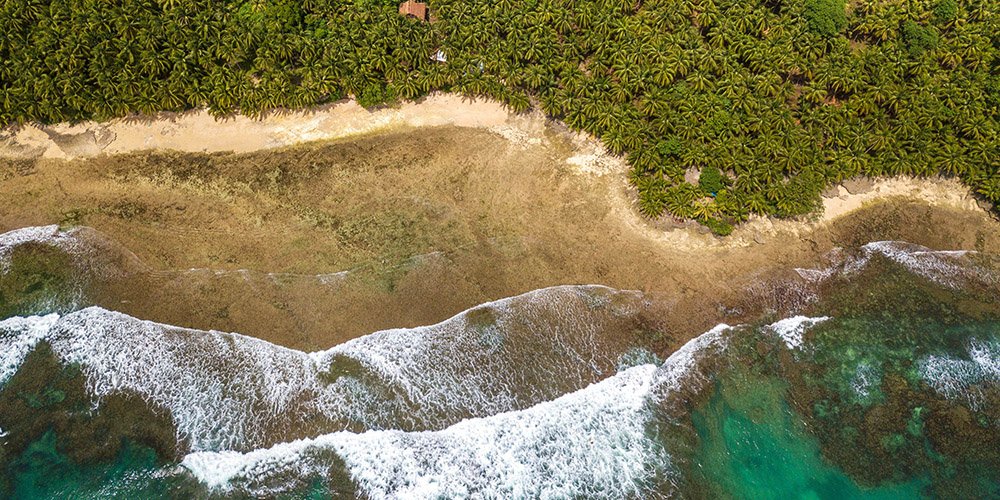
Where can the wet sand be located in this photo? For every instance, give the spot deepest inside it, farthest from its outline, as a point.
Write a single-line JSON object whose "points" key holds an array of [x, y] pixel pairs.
{"points": [[412, 221]]}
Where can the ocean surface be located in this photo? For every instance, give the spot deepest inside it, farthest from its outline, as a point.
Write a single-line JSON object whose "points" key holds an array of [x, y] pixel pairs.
{"points": [[883, 383]]}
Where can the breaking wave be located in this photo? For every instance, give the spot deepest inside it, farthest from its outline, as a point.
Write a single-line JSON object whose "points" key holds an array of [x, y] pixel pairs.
{"points": [[90, 252], [263, 420], [597, 442], [791, 329], [229, 391], [48, 235], [953, 269], [589, 443], [18, 337], [959, 378]]}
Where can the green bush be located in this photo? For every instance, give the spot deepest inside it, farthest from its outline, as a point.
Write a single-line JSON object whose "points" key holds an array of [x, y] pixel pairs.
{"points": [[375, 95], [652, 195], [737, 86], [671, 147], [826, 17], [711, 180], [719, 227], [919, 38], [946, 11]]}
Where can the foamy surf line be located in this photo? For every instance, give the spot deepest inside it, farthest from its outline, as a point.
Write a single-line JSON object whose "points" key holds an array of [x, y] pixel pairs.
{"points": [[791, 330], [229, 391], [532, 453], [592, 443], [21, 337], [948, 268], [595, 441], [966, 379], [525, 454]]}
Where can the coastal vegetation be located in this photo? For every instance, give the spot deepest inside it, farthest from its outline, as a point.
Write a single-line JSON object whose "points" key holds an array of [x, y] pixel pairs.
{"points": [[769, 101]]}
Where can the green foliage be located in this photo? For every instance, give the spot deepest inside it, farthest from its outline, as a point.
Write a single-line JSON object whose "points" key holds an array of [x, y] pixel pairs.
{"points": [[784, 107], [375, 95], [375, 3], [826, 17], [652, 199], [919, 38], [719, 227], [670, 148], [711, 180], [946, 11]]}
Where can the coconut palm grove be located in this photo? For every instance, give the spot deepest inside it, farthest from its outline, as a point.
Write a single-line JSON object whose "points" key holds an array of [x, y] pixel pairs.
{"points": [[771, 101]]}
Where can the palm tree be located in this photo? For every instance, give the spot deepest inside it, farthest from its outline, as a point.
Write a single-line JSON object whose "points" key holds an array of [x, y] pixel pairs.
{"points": [[699, 80], [652, 198]]}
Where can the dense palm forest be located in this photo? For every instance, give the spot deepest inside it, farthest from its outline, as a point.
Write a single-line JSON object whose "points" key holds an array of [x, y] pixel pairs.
{"points": [[771, 100]]}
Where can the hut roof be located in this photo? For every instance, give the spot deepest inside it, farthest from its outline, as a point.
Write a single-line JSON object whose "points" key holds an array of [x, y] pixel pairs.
{"points": [[415, 9]]}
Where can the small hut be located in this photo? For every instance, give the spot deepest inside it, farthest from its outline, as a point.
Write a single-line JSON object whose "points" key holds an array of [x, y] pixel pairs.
{"points": [[417, 10]]}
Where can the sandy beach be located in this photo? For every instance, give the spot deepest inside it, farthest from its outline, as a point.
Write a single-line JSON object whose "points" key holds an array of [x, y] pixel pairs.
{"points": [[198, 131], [312, 227]]}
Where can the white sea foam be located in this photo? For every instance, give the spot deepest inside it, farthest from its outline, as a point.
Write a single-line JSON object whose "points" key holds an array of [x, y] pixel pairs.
{"points": [[949, 268], [590, 443], [221, 389], [454, 364], [85, 257], [986, 355], [594, 442], [92, 256], [679, 368], [959, 378], [944, 267], [228, 391], [490, 389], [866, 377], [18, 337], [791, 330], [816, 275]]}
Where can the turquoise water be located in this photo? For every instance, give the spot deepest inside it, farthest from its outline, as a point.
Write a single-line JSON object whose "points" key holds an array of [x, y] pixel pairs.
{"points": [[895, 395], [41, 471], [754, 443], [754, 446]]}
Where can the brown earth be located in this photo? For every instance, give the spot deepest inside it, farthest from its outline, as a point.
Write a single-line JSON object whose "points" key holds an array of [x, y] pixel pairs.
{"points": [[312, 245]]}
